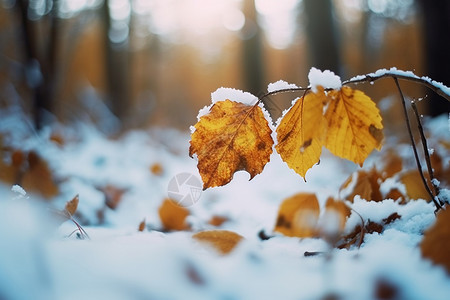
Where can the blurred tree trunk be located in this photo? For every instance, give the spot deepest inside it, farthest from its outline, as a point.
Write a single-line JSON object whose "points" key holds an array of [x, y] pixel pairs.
{"points": [[116, 67], [322, 35], [252, 51], [40, 67], [436, 23]]}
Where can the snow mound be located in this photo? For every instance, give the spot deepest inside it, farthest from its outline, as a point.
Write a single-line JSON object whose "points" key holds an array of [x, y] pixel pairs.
{"points": [[326, 79]]}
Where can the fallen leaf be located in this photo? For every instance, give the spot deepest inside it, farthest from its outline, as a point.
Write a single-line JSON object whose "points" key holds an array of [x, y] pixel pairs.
{"points": [[231, 137], [414, 185], [222, 240], [340, 209], [354, 125], [142, 226], [367, 186], [156, 169], [173, 216], [393, 164], [436, 241], [72, 205], [298, 216], [300, 133], [386, 290], [217, 220], [113, 195], [38, 176]]}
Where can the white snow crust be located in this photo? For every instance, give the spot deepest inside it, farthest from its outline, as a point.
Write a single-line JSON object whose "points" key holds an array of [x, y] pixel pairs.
{"points": [[326, 79]]}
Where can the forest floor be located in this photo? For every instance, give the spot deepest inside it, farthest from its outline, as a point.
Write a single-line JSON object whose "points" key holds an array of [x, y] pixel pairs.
{"points": [[127, 251]]}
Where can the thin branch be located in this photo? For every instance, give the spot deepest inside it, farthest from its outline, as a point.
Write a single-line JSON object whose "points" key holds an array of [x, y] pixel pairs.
{"points": [[436, 87], [289, 90], [413, 144], [425, 150]]}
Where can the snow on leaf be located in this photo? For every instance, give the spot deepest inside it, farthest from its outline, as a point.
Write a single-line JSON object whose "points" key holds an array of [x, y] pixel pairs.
{"points": [[232, 137], [436, 241], [298, 216], [325, 79], [301, 131], [223, 241], [354, 125]]}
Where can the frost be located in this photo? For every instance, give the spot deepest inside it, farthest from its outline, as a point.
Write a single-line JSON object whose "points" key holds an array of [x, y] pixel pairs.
{"points": [[326, 79], [223, 93], [280, 85], [18, 190]]}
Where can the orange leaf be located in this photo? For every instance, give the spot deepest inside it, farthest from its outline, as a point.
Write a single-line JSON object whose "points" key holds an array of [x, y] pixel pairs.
{"points": [[301, 131], [436, 241], [298, 216], [72, 205], [222, 240], [172, 215], [217, 220], [414, 185], [354, 125], [232, 137], [156, 169]]}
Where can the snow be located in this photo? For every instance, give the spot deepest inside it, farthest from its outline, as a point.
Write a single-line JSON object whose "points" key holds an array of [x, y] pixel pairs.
{"points": [[280, 85], [236, 95], [41, 259], [326, 79], [394, 71]]}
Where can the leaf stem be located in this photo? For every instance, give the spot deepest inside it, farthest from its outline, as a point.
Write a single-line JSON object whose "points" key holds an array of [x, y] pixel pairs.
{"points": [[416, 155], [426, 152]]}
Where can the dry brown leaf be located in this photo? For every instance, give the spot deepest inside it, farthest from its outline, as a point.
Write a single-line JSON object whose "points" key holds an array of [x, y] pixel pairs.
{"points": [[298, 216], [395, 194], [231, 137], [113, 195], [38, 177], [436, 241], [301, 132], [142, 226], [72, 205], [222, 240], [354, 125], [367, 186], [173, 216], [414, 185]]}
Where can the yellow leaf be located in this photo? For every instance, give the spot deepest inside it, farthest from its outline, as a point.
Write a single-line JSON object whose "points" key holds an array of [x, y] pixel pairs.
{"points": [[301, 131], [298, 216], [414, 185], [232, 137], [222, 240], [354, 125]]}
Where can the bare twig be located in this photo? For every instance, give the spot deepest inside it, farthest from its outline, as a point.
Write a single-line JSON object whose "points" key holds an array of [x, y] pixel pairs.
{"points": [[413, 144], [426, 152], [436, 87]]}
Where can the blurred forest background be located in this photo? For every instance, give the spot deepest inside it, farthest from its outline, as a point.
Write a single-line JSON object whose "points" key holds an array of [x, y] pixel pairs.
{"points": [[125, 64]]}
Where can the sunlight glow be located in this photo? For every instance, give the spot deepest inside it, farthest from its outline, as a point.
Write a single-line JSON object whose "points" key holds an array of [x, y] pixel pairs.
{"points": [[278, 19]]}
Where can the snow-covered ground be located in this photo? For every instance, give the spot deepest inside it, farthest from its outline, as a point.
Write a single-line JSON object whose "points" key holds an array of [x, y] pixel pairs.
{"points": [[41, 259]]}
